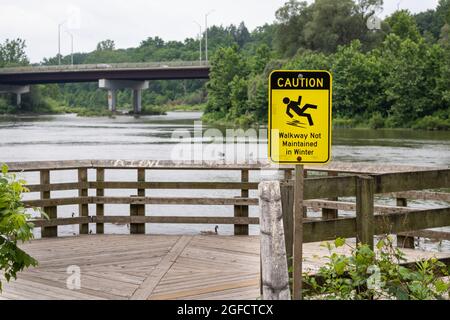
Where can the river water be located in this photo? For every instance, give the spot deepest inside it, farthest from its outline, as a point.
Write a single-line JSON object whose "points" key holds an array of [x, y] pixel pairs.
{"points": [[64, 137]]}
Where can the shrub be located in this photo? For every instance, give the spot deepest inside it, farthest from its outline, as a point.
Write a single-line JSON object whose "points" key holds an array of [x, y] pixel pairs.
{"points": [[151, 110], [13, 226], [344, 123], [376, 121], [432, 123], [366, 274]]}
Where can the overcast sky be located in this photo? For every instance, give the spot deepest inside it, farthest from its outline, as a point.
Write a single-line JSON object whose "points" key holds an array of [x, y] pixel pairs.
{"points": [[127, 22]]}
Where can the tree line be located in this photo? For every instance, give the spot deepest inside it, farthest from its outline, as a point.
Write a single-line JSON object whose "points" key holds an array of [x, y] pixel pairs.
{"points": [[395, 76]]}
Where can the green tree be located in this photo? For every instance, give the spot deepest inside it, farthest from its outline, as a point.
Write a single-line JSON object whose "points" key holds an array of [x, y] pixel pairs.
{"points": [[242, 35], [426, 23], [264, 34], [258, 60], [12, 53], [291, 21], [14, 227], [333, 23], [324, 25], [226, 64], [106, 45], [402, 24], [410, 79], [257, 96], [238, 97], [443, 83], [357, 82]]}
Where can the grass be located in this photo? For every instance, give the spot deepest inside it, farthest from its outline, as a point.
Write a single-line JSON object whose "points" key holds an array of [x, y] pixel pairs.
{"points": [[185, 107]]}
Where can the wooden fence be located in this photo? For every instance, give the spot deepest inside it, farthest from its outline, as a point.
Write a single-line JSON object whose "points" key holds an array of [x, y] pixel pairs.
{"points": [[137, 203], [321, 193], [363, 226]]}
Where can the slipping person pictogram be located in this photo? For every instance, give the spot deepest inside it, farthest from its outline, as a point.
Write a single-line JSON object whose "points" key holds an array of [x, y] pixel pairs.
{"points": [[295, 106]]}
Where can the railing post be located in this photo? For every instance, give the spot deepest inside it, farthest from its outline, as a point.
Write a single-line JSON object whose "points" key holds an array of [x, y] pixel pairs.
{"points": [[50, 211], [83, 209], [364, 210], [275, 277], [287, 174], [403, 240], [287, 203], [138, 209], [242, 210], [304, 208], [328, 214], [99, 207]]}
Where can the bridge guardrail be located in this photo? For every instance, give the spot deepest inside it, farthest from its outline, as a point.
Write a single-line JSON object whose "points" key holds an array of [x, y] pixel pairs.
{"points": [[103, 66]]}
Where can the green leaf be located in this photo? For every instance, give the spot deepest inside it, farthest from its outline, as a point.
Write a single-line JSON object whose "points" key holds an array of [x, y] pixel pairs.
{"points": [[380, 244], [339, 242], [4, 169]]}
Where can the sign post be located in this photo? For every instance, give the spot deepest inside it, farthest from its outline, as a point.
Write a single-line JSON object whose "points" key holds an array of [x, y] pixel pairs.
{"points": [[297, 263], [299, 133]]}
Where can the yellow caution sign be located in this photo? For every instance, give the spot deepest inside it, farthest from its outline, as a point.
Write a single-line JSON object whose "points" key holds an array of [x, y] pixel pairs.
{"points": [[300, 116]]}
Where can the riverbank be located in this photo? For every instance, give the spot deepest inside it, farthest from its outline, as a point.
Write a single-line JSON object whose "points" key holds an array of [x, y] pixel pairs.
{"points": [[101, 112], [439, 121], [428, 123]]}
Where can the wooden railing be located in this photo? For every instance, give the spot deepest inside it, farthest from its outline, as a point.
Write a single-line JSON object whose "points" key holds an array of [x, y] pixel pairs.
{"points": [[363, 226], [321, 193], [136, 218]]}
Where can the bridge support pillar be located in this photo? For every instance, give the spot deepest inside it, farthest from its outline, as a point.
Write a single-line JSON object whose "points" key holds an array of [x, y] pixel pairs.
{"points": [[18, 99], [112, 98], [113, 85], [18, 90], [137, 101]]}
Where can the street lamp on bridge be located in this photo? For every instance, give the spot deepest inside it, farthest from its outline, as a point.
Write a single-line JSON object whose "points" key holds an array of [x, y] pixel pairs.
{"points": [[59, 40], [206, 35], [200, 40], [71, 46]]}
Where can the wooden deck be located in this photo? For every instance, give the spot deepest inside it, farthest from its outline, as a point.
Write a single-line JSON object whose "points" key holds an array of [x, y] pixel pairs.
{"points": [[152, 267], [141, 267]]}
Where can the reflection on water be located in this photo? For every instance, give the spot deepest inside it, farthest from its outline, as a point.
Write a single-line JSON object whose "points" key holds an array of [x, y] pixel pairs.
{"points": [[65, 137], [414, 147]]}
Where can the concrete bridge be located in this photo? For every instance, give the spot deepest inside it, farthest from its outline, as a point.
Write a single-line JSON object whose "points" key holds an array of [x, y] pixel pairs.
{"points": [[112, 77]]}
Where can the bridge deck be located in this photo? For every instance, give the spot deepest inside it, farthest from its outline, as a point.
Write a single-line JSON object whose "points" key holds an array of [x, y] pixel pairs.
{"points": [[151, 267]]}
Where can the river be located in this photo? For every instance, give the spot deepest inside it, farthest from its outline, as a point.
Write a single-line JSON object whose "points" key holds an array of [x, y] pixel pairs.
{"points": [[64, 137]]}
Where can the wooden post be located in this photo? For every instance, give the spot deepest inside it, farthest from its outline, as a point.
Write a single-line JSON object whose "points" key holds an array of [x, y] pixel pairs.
{"points": [[275, 277], [50, 211], [138, 209], [99, 208], [364, 210], [305, 209], [328, 214], [287, 203], [287, 174], [83, 209], [242, 211], [403, 240], [298, 232]]}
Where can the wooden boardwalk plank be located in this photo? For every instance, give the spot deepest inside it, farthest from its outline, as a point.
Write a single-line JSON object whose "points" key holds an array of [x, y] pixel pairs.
{"points": [[149, 284], [153, 267]]}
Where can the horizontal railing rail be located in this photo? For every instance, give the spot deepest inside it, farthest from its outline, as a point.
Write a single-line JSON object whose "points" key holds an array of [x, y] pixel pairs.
{"points": [[321, 192], [336, 167], [142, 200]]}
